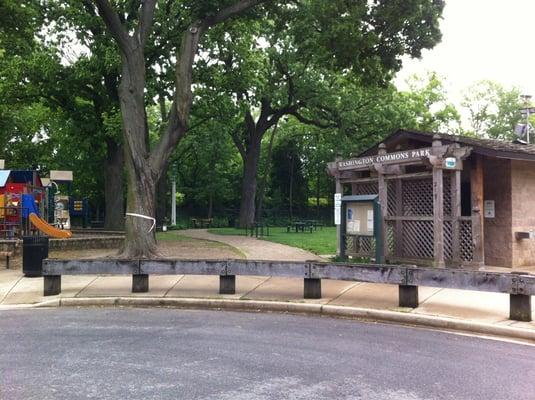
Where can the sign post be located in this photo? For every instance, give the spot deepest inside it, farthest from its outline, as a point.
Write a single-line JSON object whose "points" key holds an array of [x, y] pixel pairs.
{"points": [[337, 208]]}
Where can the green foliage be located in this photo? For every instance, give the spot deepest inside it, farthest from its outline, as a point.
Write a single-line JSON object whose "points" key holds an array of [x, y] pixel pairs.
{"points": [[288, 185], [493, 110], [425, 106], [324, 64]]}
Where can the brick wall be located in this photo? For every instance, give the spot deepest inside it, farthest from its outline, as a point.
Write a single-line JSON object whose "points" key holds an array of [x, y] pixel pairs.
{"points": [[523, 211], [497, 230]]}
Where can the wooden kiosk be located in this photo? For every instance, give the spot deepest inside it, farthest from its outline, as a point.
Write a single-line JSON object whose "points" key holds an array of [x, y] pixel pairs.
{"points": [[445, 200]]}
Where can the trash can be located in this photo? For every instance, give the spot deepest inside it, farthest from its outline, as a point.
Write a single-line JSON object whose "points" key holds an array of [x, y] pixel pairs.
{"points": [[34, 251]]}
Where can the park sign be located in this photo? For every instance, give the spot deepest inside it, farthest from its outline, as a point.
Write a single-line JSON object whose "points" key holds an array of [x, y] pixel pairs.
{"points": [[388, 158]]}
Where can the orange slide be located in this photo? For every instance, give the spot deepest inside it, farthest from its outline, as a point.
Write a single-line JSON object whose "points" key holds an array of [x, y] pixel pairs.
{"points": [[48, 229]]}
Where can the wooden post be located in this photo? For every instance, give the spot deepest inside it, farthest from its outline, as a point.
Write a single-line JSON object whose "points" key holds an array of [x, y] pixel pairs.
{"points": [[383, 201], [398, 233], [438, 209], [520, 307], [51, 285], [408, 296], [312, 288], [455, 189], [339, 237], [140, 283], [476, 185], [227, 284]]}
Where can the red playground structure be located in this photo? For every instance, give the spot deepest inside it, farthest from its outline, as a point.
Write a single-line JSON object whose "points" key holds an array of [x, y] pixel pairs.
{"points": [[21, 194]]}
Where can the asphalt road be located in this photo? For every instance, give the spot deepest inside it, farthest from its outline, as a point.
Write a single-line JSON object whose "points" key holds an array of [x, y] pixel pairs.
{"points": [[177, 354]]}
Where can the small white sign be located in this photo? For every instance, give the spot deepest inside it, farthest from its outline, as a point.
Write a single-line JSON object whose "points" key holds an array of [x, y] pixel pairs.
{"points": [[450, 162], [370, 221], [337, 208], [489, 209]]}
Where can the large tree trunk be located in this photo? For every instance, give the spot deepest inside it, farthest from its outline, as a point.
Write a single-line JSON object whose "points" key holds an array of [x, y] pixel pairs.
{"points": [[248, 190], [113, 186], [144, 166], [263, 182], [140, 241]]}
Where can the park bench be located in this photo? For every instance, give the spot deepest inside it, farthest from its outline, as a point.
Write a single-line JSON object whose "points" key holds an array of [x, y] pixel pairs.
{"points": [[519, 286], [8, 249]]}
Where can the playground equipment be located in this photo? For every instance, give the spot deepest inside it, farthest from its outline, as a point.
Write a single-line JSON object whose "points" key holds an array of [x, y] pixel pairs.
{"points": [[22, 203], [65, 207], [20, 192], [48, 229]]}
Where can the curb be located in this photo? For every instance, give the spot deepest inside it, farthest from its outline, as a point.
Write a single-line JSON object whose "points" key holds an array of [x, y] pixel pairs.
{"points": [[403, 318]]}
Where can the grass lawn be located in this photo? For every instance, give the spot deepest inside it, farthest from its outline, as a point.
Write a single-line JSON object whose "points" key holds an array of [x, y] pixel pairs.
{"points": [[322, 241]]}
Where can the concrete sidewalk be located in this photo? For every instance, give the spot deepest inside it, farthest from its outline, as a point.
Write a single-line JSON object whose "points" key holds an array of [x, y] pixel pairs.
{"points": [[353, 299], [468, 306]]}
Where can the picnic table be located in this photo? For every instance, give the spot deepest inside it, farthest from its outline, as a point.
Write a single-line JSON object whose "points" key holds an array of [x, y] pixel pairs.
{"points": [[314, 223], [299, 226], [201, 222]]}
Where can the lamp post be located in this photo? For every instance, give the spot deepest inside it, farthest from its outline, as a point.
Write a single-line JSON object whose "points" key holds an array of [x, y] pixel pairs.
{"points": [[527, 110], [173, 194]]}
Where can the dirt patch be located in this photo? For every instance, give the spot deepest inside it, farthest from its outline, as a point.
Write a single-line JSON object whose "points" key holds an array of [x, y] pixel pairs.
{"points": [[182, 248]]}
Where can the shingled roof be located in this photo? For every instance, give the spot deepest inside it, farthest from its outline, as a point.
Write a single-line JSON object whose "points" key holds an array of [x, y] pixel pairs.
{"points": [[488, 147]]}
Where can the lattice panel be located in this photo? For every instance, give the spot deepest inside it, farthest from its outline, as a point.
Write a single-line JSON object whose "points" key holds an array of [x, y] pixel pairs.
{"points": [[418, 239], [391, 196], [390, 238], [360, 246], [417, 197], [446, 191], [350, 244], [466, 242], [365, 188], [448, 240]]}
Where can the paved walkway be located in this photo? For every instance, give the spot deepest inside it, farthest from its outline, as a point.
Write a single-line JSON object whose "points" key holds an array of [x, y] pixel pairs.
{"points": [[463, 305], [255, 249]]}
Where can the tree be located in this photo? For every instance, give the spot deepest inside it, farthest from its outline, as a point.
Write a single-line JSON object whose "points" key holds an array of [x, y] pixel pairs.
{"points": [[493, 110], [77, 129], [425, 106], [309, 51], [144, 165]]}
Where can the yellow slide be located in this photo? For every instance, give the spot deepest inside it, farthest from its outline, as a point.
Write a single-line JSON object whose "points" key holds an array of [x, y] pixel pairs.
{"points": [[48, 229]]}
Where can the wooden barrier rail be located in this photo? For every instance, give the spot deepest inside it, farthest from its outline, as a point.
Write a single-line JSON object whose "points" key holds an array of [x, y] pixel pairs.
{"points": [[520, 286]]}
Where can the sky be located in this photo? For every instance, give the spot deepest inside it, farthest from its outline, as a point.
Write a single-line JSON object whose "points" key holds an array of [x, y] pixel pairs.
{"points": [[481, 39]]}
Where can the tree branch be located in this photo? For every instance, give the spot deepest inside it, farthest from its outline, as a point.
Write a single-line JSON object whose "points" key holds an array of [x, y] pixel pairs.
{"points": [[183, 79], [317, 123], [145, 21], [230, 11], [237, 141], [112, 21]]}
